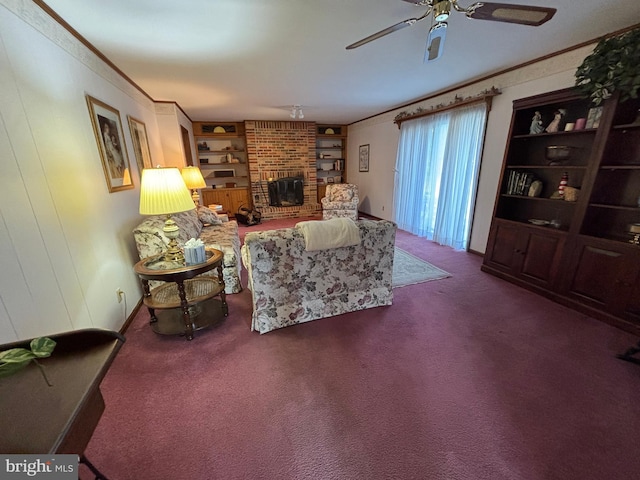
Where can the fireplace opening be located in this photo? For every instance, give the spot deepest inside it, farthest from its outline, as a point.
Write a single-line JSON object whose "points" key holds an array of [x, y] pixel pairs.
{"points": [[286, 192]]}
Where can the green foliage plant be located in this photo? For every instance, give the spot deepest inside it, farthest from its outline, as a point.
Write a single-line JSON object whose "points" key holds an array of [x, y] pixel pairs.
{"points": [[15, 359], [613, 66]]}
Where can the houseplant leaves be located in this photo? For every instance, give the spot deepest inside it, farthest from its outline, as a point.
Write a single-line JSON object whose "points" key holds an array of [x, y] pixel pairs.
{"points": [[15, 359], [613, 66]]}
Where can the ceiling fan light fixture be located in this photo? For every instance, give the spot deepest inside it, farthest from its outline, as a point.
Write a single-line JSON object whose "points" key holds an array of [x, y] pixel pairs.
{"points": [[435, 42], [296, 111], [441, 11]]}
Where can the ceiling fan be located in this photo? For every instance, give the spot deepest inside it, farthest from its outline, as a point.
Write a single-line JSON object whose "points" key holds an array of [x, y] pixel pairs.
{"points": [[440, 10]]}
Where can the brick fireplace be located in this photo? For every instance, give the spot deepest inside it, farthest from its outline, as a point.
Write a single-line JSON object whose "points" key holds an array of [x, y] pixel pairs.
{"points": [[278, 150]]}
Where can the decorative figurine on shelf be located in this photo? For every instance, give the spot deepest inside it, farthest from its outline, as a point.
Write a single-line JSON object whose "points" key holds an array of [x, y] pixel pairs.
{"points": [[563, 183], [555, 123], [535, 189], [536, 124]]}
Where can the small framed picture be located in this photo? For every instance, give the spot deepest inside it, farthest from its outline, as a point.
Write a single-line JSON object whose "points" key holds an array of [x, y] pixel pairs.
{"points": [[330, 180], [593, 118], [140, 143], [110, 139], [363, 157]]}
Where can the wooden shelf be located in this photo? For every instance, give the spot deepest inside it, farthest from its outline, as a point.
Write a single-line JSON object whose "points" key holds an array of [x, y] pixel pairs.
{"points": [[218, 129], [220, 152], [547, 167], [615, 207], [588, 262], [558, 134], [336, 142], [620, 167], [222, 146], [227, 164]]}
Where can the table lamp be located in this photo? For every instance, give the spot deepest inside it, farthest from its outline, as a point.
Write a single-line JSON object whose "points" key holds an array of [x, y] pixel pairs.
{"points": [[163, 192], [193, 179]]}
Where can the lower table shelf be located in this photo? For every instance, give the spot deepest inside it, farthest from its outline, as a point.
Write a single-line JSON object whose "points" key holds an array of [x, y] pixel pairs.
{"points": [[197, 290], [203, 314]]}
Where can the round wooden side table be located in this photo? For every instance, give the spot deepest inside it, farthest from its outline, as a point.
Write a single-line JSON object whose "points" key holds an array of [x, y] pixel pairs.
{"points": [[186, 303]]}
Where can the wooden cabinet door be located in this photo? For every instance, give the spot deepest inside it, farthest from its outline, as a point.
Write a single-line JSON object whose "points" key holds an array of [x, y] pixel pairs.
{"points": [[540, 251], [238, 197], [322, 192], [231, 199], [604, 275], [532, 254], [216, 196], [502, 246], [631, 305]]}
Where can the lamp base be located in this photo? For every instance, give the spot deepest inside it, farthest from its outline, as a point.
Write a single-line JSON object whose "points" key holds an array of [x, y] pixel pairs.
{"points": [[174, 253], [196, 197], [171, 231]]}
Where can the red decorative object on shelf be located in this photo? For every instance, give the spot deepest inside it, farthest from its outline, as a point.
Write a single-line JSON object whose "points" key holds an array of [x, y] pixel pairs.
{"points": [[563, 183]]}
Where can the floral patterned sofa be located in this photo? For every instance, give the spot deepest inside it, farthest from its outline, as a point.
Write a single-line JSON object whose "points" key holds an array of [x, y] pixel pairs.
{"points": [[290, 285], [203, 224]]}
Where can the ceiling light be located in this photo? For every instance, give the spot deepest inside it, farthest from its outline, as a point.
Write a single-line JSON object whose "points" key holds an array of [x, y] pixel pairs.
{"points": [[296, 111], [435, 42]]}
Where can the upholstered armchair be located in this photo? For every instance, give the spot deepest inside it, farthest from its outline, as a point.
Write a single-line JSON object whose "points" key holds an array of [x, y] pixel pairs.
{"points": [[341, 200]]}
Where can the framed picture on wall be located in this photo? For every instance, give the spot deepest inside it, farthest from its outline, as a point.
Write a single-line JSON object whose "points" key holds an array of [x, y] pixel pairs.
{"points": [[363, 156], [140, 143], [110, 139]]}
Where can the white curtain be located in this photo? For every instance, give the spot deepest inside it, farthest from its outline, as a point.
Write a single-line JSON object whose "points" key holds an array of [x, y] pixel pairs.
{"points": [[437, 174]]}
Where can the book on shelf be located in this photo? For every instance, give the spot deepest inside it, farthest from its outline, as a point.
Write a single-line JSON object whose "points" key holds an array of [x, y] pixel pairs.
{"points": [[518, 182]]}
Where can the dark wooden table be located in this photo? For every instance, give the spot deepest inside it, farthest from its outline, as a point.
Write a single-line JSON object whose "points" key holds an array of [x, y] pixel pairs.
{"points": [[186, 303], [40, 419]]}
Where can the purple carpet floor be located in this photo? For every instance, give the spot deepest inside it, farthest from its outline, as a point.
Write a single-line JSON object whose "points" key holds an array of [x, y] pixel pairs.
{"points": [[467, 377]]}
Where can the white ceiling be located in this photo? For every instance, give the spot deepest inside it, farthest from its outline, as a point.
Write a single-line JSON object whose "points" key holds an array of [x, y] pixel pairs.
{"points": [[237, 60]]}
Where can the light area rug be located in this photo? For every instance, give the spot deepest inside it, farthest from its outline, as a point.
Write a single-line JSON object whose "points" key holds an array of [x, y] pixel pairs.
{"points": [[409, 270]]}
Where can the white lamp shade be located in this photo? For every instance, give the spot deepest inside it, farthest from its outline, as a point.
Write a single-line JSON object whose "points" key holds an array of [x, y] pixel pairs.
{"points": [[193, 178], [163, 191]]}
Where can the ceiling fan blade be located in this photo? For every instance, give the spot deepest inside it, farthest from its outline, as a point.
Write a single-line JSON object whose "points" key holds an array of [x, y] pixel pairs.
{"points": [[386, 31], [507, 12], [435, 42]]}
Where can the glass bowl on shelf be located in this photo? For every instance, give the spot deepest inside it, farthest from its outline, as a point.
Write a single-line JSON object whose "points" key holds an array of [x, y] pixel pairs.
{"points": [[557, 154]]}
